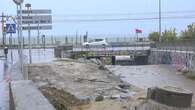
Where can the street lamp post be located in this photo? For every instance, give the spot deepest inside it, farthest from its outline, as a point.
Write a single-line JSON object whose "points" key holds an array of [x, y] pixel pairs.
{"points": [[29, 33], [20, 34]]}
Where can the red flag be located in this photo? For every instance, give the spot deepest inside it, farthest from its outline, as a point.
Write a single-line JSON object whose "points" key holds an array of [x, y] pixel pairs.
{"points": [[138, 30]]}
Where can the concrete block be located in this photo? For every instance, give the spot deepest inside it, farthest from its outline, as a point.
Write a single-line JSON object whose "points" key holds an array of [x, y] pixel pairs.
{"points": [[25, 96], [171, 96], [152, 105]]}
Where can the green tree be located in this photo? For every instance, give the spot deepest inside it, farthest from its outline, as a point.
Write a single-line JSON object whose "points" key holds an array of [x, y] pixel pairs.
{"points": [[154, 36], [169, 35], [189, 33]]}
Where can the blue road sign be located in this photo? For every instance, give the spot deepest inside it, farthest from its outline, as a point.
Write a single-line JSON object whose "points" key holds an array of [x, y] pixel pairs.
{"points": [[10, 28]]}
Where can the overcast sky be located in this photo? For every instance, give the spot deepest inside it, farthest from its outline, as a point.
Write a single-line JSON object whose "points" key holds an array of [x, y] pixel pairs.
{"points": [[62, 9]]}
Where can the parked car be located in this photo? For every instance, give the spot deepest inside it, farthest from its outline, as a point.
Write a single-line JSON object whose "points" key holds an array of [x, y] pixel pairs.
{"points": [[96, 42]]}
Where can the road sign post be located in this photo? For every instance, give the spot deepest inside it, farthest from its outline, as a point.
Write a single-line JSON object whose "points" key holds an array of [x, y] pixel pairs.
{"points": [[11, 29], [21, 42], [29, 34], [20, 34]]}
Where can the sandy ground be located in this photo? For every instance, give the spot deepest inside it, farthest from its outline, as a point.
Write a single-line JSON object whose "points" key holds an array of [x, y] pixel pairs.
{"points": [[85, 82]]}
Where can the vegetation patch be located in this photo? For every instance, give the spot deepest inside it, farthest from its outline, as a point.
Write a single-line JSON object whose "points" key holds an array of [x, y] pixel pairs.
{"points": [[79, 55], [190, 75], [60, 99]]}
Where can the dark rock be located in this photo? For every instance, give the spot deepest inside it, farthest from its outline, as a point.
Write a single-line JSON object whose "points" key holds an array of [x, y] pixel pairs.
{"points": [[124, 86], [101, 67], [99, 98]]}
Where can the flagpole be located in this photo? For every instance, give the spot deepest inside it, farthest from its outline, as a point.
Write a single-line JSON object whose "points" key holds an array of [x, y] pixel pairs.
{"points": [[137, 37]]}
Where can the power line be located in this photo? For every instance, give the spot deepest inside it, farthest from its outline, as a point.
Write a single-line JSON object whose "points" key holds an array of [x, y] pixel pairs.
{"points": [[125, 14], [124, 19]]}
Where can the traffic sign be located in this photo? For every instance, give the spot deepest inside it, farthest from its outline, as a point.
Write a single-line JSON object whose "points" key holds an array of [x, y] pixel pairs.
{"points": [[39, 11], [42, 19], [10, 28], [45, 27]]}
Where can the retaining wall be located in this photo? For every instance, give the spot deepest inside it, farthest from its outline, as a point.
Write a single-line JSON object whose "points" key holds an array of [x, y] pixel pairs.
{"points": [[180, 60]]}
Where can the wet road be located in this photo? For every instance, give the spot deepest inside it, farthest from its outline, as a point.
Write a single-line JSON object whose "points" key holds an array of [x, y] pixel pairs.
{"points": [[4, 79], [11, 65]]}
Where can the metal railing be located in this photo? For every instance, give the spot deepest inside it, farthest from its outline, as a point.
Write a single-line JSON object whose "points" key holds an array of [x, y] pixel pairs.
{"points": [[182, 45]]}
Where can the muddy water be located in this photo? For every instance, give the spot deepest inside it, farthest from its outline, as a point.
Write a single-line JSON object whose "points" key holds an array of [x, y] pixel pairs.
{"points": [[153, 75]]}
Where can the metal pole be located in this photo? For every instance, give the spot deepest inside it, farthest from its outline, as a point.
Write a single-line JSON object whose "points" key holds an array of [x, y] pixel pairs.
{"points": [[11, 46], [18, 30], [38, 37], [21, 42], [3, 30], [29, 35], [76, 37], [160, 18]]}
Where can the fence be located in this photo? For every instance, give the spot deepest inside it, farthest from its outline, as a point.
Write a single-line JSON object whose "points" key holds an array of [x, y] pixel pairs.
{"points": [[76, 40], [182, 45]]}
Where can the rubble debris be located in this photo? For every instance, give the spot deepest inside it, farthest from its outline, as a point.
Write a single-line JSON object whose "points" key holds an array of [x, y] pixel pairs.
{"points": [[124, 86], [99, 98], [102, 67], [71, 83]]}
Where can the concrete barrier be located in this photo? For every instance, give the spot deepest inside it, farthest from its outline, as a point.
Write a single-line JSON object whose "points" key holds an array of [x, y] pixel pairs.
{"points": [[171, 96], [152, 105], [25, 96]]}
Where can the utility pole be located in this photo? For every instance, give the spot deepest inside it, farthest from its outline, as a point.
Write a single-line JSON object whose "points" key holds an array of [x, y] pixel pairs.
{"points": [[38, 36], [76, 37], [160, 21]]}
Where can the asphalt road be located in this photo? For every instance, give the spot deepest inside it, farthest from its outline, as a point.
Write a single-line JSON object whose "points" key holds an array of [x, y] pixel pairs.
{"points": [[111, 48]]}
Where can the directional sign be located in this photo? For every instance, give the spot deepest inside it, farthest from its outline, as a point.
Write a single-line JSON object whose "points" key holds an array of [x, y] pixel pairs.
{"points": [[45, 27], [42, 19], [36, 11], [10, 28]]}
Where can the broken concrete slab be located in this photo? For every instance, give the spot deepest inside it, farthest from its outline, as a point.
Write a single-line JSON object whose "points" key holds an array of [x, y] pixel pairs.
{"points": [[171, 96]]}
